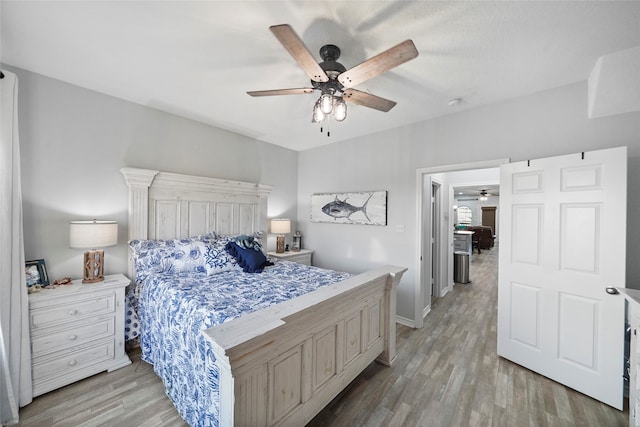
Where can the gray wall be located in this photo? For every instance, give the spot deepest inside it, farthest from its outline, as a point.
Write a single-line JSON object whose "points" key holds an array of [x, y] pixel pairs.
{"points": [[541, 125], [75, 141]]}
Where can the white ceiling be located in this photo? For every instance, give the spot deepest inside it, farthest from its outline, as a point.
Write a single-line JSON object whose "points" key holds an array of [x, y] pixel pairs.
{"points": [[476, 191], [198, 59]]}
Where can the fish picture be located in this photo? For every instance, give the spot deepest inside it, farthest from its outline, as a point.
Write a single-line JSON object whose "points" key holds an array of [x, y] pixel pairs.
{"points": [[368, 207]]}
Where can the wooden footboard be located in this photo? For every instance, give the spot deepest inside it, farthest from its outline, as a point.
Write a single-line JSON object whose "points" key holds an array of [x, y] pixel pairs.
{"points": [[282, 365]]}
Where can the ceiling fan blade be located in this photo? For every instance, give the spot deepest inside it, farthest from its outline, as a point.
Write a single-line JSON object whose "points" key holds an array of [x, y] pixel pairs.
{"points": [[296, 48], [380, 63], [296, 91], [367, 100]]}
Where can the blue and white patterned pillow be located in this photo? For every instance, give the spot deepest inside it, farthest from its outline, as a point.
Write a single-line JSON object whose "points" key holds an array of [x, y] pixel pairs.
{"points": [[218, 259], [156, 255], [186, 257], [148, 255]]}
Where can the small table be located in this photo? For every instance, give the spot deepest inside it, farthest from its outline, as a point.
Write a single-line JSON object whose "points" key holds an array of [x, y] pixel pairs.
{"points": [[303, 256]]}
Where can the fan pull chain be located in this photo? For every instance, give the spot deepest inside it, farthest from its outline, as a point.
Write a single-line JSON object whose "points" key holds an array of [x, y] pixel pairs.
{"points": [[328, 131]]}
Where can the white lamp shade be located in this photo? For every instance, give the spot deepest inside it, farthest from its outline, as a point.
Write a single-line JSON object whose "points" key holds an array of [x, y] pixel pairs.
{"points": [[281, 226], [93, 234]]}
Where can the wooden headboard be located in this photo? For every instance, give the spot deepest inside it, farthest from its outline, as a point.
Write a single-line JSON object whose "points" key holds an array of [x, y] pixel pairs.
{"points": [[165, 205]]}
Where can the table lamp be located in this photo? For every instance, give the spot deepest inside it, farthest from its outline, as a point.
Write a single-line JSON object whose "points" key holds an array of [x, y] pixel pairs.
{"points": [[280, 226], [92, 235]]}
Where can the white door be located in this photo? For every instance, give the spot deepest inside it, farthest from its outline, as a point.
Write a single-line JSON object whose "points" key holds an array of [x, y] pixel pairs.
{"points": [[563, 227]]}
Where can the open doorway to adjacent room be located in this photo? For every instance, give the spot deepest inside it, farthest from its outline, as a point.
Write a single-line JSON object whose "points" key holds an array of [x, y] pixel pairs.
{"points": [[437, 221]]}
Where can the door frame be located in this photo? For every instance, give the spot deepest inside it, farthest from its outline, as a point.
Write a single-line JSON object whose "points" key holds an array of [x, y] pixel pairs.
{"points": [[423, 223], [436, 236]]}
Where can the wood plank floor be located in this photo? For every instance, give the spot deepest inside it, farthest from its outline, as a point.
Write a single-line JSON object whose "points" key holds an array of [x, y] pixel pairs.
{"points": [[446, 374]]}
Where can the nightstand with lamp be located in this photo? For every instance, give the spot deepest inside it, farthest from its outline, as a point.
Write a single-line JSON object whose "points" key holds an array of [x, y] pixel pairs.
{"points": [[77, 330], [281, 227]]}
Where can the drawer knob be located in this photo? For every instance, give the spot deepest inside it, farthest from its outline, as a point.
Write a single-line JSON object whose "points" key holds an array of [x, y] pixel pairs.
{"points": [[73, 312], [72, 362], [73, 337]]}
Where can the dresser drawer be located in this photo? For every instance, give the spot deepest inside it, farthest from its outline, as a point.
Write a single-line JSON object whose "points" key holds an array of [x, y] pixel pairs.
{"points": [[47, 340], [459, 245], [66, 363], [44, 317]]}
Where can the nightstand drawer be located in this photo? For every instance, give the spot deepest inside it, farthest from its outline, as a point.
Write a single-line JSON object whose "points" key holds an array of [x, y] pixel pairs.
{"points": [[303, 256], [69, 362], [300, 258], [44, 317], [53, 339]]}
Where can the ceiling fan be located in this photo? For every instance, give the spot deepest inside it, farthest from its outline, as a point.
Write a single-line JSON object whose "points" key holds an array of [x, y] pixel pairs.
{"points": [[333, 80]]}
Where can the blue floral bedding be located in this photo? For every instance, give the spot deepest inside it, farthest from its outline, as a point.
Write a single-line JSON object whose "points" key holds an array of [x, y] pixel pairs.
{"points": [[174, 308]]}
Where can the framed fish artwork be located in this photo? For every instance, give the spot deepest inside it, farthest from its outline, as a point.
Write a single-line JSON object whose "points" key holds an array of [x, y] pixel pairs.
{"points": [[368, 207]]}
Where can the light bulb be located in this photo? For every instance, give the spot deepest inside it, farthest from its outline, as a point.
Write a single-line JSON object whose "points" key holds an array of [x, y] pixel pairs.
{"points": [[326, 103], [318, 115], [340, 109]]}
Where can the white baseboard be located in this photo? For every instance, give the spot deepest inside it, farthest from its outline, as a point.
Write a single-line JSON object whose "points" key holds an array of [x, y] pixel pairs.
{"points": [[406, 322], [426, 311]]}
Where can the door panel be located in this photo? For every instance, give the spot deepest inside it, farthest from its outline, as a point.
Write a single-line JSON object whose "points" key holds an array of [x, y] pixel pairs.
{"points": [[580, 229], [527, 234], [563, 222], [525, 315], [578, 334]]}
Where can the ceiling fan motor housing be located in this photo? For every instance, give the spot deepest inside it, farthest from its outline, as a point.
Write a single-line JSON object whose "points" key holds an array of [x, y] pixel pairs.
{"points": [[329, 54]]}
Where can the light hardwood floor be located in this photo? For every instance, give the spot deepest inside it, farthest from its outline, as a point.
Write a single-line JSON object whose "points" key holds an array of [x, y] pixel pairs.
{"points": [[446, 374]]}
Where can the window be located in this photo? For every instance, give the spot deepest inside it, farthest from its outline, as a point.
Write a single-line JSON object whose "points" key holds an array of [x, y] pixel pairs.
{"points": [[465, 215]]}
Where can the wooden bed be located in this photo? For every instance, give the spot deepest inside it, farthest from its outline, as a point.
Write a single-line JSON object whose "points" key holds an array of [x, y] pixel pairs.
{"points": [[282, 364]]}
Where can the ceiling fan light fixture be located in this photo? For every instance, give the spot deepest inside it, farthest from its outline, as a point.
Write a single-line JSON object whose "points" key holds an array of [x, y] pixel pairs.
{"points": [[326, 103], [332, 78], [318, 115], [339, 109]]}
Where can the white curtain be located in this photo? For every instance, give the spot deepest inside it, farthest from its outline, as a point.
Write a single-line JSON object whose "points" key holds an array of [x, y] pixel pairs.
{"points": [[15, 350]]}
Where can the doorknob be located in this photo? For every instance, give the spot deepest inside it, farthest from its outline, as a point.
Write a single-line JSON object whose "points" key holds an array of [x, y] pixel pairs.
{"points": [[611, 290]]}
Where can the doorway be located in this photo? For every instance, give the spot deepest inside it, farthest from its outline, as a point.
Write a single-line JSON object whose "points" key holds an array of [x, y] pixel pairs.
{"points": [[489, 217], [435, 259]]}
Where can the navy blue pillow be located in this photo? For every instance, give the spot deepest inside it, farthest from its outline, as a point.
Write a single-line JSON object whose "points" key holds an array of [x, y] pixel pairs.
{"points": [[250, 260]]}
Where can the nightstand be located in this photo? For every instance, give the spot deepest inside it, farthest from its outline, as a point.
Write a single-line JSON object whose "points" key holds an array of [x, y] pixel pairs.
{"points": [[303, 256], [77, 330]]}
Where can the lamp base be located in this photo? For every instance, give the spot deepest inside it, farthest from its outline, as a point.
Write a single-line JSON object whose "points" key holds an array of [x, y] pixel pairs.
{"points": [[280, 244], [93, 270]]}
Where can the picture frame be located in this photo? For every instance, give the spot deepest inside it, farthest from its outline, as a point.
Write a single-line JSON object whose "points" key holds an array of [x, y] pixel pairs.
{"points": [[36, 272], [366, 207]]}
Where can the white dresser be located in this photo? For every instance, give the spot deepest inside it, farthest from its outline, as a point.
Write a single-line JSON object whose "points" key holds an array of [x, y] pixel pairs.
{"points": [[633, 316], [303, 256], [77, 330]]}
